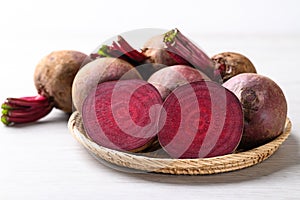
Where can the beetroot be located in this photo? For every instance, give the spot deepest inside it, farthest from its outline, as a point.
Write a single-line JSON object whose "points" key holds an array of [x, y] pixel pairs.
{"points": [[201, 119], [53, 79], [155, 51], [53, 76], [167, 79], [230, 64], [122, 114], [98, 71], [264, 106]]}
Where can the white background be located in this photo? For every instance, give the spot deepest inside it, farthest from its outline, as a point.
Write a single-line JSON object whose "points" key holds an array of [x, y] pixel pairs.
{"points": [[43, 161]]}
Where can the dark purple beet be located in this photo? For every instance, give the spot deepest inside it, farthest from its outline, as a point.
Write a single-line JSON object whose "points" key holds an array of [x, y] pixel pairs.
{"points": [[264, 106], [201, 119], [122, 114]]}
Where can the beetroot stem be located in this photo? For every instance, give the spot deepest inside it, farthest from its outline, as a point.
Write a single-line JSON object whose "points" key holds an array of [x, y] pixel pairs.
{"points": [[178, 58], [178, 44], [121, 49], [132, 53], [103, 51], [25, 109]]}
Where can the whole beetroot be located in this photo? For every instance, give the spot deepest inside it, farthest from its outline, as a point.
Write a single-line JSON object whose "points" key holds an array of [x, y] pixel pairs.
{"points": [[169, 78], [155, 50], [98, 71], [264, 107], [53, 78], [54, 74], [230, 64]]}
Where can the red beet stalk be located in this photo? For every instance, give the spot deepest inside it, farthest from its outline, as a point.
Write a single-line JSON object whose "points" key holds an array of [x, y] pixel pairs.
{"points": [[183, 50], [121, 49], [25, 109]]}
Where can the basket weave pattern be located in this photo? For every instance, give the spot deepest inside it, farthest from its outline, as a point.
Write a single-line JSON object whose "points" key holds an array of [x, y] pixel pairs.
{"points": [[199, 166]]}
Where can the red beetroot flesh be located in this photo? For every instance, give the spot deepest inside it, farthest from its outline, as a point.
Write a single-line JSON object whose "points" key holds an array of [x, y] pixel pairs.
{"points": [[122, 114], [201, 119]]}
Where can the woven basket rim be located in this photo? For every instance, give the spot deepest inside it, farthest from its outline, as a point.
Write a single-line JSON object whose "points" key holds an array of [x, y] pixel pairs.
{"points": [[199, 166]]}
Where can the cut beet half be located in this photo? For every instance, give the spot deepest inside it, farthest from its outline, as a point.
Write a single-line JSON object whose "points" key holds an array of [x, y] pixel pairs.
{"points": [[122, 115], [201, 119]]}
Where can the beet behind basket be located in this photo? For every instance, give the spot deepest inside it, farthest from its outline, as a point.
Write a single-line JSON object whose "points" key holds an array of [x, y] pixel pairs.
{"points": [[152, 162]]}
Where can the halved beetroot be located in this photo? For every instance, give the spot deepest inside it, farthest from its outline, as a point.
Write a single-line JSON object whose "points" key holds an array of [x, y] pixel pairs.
{"points": [[122, 114], [201, 119]]}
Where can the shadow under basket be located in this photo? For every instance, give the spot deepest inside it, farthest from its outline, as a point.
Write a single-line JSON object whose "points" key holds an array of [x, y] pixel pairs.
{"points": [[153, 162]]}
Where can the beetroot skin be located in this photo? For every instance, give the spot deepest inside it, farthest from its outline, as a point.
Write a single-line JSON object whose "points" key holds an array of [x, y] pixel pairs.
{"points": [[155, 51], [264, 106], [122, 115], [229, 64], [54, 75], [98, 71], [201, 119], [167, 79]]}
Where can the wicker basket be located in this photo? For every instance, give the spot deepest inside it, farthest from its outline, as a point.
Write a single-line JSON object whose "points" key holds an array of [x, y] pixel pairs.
{"points": [[154, 162]]}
